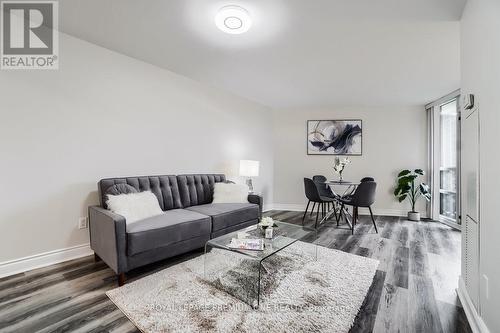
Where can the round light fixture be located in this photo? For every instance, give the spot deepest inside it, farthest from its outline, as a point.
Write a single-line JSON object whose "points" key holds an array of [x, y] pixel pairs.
{"points": [[233, 19]]}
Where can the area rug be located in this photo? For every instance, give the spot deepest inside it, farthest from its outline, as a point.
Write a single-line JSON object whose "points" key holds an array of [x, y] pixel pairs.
{"points": [[299, 293]]}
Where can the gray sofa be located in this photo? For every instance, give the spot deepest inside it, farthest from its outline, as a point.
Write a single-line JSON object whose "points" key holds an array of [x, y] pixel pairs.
{"points": [[190, 219]]}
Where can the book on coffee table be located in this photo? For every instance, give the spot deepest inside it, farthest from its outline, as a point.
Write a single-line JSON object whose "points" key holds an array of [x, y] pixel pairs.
{"points": [[247, 244]]}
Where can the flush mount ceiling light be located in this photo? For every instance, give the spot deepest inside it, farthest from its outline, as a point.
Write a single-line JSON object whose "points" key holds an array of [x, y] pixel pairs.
{"points": [[233, 19]]}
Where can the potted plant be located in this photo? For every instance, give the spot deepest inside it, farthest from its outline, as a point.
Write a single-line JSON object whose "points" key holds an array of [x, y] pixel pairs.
{"points": [[407, 189]]}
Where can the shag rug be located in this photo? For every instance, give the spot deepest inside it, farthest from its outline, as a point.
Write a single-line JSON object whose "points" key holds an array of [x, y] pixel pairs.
{"points": [[299, 293]]}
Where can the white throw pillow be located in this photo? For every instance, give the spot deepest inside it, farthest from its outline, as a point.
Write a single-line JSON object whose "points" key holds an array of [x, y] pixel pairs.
{"points": [[230, 193], [134, 206]]}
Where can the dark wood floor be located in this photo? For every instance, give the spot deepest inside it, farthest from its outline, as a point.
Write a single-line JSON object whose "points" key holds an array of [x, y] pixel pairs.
{"points": [[413, 289]]}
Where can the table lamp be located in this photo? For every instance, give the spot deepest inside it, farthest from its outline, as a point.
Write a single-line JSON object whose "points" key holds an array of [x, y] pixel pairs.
{"points": [[249, 169]]}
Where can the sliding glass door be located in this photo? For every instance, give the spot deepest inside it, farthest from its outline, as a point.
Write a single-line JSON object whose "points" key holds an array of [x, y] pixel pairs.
{"points": [[448, 170], [444, 157]]}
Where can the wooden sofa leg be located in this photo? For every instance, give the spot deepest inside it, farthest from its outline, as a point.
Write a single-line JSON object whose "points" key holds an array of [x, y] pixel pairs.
{"points": [[121, 279], [97, 258]]}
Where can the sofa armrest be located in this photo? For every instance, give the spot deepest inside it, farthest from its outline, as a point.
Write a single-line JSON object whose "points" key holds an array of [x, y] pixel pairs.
{"points": [[108, 237], [258, 200]]}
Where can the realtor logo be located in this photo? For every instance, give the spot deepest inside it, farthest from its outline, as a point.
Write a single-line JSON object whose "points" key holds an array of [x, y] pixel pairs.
{"points": [[29, 38]]}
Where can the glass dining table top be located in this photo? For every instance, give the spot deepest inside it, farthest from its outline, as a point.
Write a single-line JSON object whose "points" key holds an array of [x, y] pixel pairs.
{"points": [[343, 182]]}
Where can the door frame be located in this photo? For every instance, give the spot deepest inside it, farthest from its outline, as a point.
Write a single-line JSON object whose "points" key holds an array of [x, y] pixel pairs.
{"points": [[434, 158]]}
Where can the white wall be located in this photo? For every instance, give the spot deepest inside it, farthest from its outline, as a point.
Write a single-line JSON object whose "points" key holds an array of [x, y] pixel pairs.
{"points": [[394, 138], [481, 76], [100, 115]]}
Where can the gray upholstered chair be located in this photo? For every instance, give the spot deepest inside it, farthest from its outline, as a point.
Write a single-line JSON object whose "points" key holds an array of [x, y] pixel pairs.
{"points": [[325, 191], [363, 196], [313, 195], [367, 179]]}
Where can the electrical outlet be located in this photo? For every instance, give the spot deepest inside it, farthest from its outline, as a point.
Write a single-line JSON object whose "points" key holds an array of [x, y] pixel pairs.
{"points": [[83, 223], [486, 287]]}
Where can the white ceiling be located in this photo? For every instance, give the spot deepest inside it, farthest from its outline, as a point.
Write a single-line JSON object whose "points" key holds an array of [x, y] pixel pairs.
{"points": [[299, 53]]}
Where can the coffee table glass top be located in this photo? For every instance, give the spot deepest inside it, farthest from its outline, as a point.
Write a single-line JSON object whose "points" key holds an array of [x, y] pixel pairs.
{"points": [[284, 234], [240, 272]]}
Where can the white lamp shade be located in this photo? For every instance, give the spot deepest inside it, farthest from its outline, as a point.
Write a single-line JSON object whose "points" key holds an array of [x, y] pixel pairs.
{"points": [[249, 168]]}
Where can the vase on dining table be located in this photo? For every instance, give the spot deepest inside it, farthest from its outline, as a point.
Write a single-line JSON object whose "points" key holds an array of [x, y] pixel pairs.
{"points": [[339, 166]]}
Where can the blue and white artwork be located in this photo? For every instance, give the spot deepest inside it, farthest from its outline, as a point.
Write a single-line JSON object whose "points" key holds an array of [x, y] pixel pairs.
{"points": [[334, 137]]}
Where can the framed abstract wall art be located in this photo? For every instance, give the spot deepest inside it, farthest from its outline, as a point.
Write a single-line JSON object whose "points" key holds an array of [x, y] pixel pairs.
{"points": [[334, 137]]}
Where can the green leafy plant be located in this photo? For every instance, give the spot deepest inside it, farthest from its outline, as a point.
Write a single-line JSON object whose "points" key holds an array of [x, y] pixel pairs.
{"points": [[407, 189]]}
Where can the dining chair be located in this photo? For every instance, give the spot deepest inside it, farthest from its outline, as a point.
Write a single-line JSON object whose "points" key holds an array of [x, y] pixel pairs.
{"points": [[363, 196], [367, 179], [313, 195], [325, 191]]}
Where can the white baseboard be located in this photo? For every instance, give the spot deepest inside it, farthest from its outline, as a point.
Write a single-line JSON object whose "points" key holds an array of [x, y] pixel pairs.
{"points": [[43, 259], [291, 207], [475, 321], [362, 211], [267, 207]]}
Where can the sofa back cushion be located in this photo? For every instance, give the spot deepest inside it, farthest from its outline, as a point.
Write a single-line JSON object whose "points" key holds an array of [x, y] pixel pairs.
{"points": [[198, 189], [163, 187], [230, 193]]}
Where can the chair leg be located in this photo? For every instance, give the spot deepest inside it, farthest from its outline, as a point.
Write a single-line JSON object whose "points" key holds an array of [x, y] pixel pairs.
{"points": [[334, 207], [373, 220], [121, 279], [340, 214], [354, 217], [317, 215], [312, 210], [305, 212]]}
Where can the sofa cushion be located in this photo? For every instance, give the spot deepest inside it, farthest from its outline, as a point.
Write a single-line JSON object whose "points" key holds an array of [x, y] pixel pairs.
{"points": [[197, 189], [168, 228], [225, 215], [164, 187]]}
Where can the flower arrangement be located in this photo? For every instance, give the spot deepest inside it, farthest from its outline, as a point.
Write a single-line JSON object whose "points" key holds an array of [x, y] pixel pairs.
{"points": [[339, 165], [266, 222]]}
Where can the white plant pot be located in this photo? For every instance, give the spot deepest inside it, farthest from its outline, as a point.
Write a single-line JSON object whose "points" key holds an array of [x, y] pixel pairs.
{"points": [[414, 216]]}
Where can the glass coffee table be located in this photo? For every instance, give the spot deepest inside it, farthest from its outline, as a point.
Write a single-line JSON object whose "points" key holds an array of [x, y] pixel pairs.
{"points": [[240, 272]]}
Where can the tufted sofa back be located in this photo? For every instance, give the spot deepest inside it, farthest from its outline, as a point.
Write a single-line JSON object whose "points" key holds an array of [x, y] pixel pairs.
{"points": [[165, 188], [198, 189]]}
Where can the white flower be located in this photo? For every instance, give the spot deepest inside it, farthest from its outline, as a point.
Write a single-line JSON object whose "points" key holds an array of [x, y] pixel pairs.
{"points": [[339, 165], [267, 222]]}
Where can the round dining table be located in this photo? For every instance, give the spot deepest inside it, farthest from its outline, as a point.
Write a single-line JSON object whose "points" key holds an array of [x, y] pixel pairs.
{"points": [[346, 188]]}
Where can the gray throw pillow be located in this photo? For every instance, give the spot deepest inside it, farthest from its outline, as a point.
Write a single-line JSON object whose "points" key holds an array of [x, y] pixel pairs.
{"points": [[118, 189]]}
